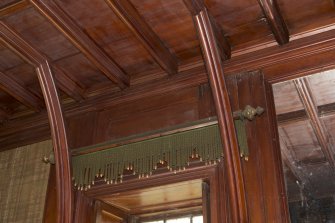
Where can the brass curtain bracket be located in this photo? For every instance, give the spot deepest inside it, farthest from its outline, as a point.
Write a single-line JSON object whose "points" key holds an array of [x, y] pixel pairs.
{"points": [[240, 116], [249, 113]]}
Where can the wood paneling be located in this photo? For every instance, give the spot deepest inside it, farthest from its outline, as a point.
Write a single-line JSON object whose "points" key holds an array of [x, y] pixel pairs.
{"points": [[139, 116], [265, 191]]}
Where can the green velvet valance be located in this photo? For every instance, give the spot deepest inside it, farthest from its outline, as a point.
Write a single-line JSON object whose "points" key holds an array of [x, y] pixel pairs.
{"points": [[141, 158]]}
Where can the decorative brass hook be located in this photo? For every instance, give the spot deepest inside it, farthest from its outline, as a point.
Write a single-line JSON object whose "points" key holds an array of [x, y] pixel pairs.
{"points": [[50, 159], [249, 113]]}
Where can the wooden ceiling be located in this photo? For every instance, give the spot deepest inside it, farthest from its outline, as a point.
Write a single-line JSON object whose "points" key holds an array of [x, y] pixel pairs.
{"points": [[118, 50], [306, 120]]}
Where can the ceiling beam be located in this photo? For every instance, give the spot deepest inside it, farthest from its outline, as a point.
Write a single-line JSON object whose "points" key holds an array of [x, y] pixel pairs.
{"points": [[275, 20], [323, 111], [195, 7], [324, 138], [12, 8], [128, 14], [20, 92], [65, 83], [82, 41]]}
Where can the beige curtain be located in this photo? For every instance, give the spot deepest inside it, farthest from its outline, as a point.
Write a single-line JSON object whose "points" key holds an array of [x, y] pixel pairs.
{"points": [[23, 183]]}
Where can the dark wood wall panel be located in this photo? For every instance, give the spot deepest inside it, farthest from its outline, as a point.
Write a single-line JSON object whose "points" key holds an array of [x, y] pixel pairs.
{"points": [[262, 172], [141, 116]]}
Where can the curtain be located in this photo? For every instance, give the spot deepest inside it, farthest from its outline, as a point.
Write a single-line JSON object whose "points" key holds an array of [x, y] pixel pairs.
{"points": [[23, 183]]}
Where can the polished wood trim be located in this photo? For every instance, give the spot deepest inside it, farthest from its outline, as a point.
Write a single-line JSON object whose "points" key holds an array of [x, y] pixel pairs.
{"points": [[81, 40], [275, 55], [13, 40], [192, 76], [195, 7], [277, 159], [34, 57], [146, 136], [275, 20], [206, 205], [225, 120], [20, 93], [324, 138], [189, 78], [14, 7], [56, 120], [113, 210], [86, 209], [60, 145], [125, 10], [105, 190]]}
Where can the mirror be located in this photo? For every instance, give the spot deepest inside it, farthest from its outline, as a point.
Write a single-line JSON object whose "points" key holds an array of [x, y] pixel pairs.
{"points": [[305, 109]]}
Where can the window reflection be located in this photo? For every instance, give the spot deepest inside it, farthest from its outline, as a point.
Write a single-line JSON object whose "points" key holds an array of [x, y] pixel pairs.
{"points": [[305, 109]]}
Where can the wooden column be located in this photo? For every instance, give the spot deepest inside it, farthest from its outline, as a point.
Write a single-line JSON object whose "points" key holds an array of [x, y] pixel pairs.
{"points": [[213, 62], [86, 209], [263, 173]]}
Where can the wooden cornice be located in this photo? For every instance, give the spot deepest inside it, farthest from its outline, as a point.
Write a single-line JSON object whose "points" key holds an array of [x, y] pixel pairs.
{"points": [[12, 8], [299, 48], [324, 138], [82, 41], [193, 75], [20, 93], [195, 7], [143, 32], [13, 40], [275, 20]]}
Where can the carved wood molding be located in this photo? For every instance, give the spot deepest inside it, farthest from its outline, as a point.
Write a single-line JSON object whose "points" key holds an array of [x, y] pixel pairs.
{"points": [[194, 75], [275, 20], [143, 32], [57, 125], [275, 55], [223, 109], [20, 93]]}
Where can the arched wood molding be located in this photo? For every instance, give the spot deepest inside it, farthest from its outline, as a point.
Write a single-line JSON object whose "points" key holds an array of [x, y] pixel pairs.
{"points": [[209, 44], [58, 133]]}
